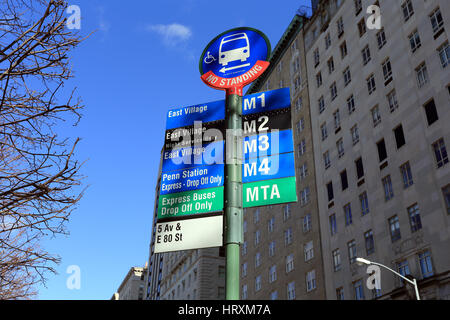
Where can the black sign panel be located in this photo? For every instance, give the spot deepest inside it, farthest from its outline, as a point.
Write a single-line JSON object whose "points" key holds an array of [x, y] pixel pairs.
{"points": [[265, 122]]}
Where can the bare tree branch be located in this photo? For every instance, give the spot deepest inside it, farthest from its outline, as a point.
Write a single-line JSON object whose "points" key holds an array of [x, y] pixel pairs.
{"points": [[40, 182]]}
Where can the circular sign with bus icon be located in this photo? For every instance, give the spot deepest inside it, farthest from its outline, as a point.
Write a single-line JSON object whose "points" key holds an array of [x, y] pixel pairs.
{"points": [[235, 58]]}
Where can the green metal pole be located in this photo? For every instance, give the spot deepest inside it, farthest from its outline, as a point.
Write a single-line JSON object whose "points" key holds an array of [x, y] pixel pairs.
{"points": [[233, 192]]}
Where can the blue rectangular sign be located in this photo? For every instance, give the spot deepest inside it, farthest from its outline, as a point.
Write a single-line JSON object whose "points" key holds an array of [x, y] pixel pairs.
{"points": [[205, 112], [266, 101], [201, 177], [266, 144], [272, 167], [190, 157]]}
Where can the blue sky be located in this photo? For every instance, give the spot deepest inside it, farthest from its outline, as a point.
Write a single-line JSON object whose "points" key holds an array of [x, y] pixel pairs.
{"points": [[141, 61]]}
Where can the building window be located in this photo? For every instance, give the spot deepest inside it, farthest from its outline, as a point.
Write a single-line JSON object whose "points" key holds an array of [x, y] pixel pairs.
{"points": [[244, 292], [298, 104], [289, 263], [364, 202], [370, 245], [340, 147], [403, 269], [333, 91], [337, 120], [244, 269], [387, 71], [382, 153], [271, 248], [431, 112], [344, 180], [347, 76], [381, 38], [414, 218], [394, 227], [340, 26], [257, 237], [291, 290], [407, 9], [355, 134], [270, 224], [327, 41], [302, 148], [333, 225], [348, 214], [330, 191], [274, 295], [257, 259], [414, 41], [392, 100], [440, 153], [304, 196], [444, 54], [343, 48], [359, 290], [422, 75], [221, 272], [307, 223], [352, 251], [446, 194], [294, 45], [272, 274], [310, 280], [296, 64], [426, 266], [336, 260], [326, 159], [297, 83], [316, 57], [330, 64], [376, 117], [351, 104], [308, 251], [405, 170], [280, 66], [319, 79], [256, 216], [359, 168], [399, 136], [244, 248], [366, 55], [257, 283], [303, 171], [362, 27], [437, 22], [371, 86], [321, 104], [388, 190], [286, 212], [340, 293], [288, 236], [324, 131], [300, 126]]}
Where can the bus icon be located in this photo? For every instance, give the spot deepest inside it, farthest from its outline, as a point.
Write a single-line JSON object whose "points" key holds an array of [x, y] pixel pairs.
{"points": [[233, 48]]}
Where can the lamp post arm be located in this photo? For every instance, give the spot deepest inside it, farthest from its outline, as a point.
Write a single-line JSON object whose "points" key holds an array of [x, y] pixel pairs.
{"points": [[381, 265]]}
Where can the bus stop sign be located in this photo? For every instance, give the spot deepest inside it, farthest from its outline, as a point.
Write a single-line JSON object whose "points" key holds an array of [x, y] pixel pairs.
{"points": [[235, 58]]}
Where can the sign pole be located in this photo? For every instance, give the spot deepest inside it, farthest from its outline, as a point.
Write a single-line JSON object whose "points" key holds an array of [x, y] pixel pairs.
{"points": [[232, 60], [233, 205]]}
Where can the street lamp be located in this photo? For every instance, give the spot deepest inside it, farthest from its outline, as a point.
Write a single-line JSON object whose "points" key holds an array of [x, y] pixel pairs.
{"points": [[361, 261]]}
